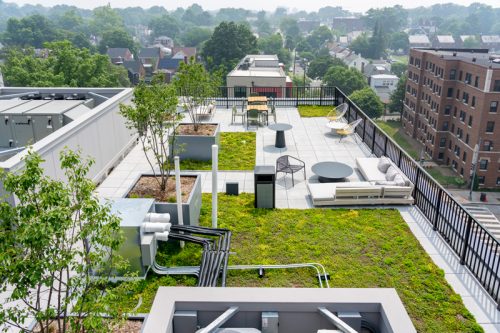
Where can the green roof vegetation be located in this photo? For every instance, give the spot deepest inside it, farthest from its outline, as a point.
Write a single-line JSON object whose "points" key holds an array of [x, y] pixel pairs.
{"points": [[360, 248], [314, 110], [237, 152]]}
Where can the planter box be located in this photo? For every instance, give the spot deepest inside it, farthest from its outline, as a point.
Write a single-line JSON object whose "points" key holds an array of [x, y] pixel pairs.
{"points": [[190, 209], [196, 147]]}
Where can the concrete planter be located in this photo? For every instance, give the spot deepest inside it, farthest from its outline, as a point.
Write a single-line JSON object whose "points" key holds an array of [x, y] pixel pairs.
{"points": [[190, 209], [196, 147]]}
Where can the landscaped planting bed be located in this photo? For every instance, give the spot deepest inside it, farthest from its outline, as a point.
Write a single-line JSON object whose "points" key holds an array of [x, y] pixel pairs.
{"points": [[314, 110], [236, 152], [363, 248]]}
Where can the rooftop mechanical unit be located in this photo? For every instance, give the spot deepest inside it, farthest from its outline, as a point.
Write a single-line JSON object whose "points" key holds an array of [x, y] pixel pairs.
{"points": [[143, 229]]}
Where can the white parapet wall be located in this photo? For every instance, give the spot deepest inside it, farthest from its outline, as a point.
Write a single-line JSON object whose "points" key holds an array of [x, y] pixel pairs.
{"points": [[100, 134]]}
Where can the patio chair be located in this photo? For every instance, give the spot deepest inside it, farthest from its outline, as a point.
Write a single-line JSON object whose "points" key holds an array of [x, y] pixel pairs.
{"points": [[273, 113], [290, 164], [235, 114], [253, 116], [337, 113], [349, 129]]}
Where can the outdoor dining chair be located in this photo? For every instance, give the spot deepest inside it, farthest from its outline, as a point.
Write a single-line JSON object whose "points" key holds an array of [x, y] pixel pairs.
{"points": [[236, 113], [273, 113], [253, 116], [337, 113], [349, 129], [290, 164]]}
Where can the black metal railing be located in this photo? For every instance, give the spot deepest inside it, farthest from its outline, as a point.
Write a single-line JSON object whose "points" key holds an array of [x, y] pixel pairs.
{"points": [[475, 246], [282, 96]]}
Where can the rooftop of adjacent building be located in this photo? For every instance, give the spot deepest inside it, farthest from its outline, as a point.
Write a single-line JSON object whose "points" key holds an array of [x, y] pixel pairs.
{"points": [[479, 57], [259, 65]]}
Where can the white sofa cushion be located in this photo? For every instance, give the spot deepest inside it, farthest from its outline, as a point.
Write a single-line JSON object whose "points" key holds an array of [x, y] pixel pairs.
{"points": [[385, 182], [368, 168], [397, 191], [383, 164], [391, 173], [399, 180], [352, 184], [322, 191]]}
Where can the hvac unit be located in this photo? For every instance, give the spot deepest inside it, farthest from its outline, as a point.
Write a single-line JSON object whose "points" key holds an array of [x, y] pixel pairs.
{"points": [[22, 127], [6, 133]]}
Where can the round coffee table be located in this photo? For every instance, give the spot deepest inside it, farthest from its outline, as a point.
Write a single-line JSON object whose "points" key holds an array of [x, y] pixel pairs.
{"points": [[330, 172], [280, 129], [335, 125]]}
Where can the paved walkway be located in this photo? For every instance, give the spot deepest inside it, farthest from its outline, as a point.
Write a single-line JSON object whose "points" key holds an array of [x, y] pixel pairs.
{"points": [[310, 141]]}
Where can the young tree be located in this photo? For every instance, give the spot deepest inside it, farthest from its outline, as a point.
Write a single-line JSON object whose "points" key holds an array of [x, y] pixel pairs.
{"points": [[154, 116], [116, 38], [198, 87], [398, 96], [368, 102], [57, 249], [320, 65], [346, 79], [399, 68]]}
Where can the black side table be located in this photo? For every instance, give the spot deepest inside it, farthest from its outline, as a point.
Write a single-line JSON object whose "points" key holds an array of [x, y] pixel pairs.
{"points": [[280, 129]]}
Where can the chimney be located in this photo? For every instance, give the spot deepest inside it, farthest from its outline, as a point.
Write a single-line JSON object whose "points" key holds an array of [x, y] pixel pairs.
{"points": [[454, 54], [474, 59]]}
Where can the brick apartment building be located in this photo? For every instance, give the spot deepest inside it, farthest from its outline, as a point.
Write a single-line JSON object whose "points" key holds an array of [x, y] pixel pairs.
{"points": [[451, 104]]}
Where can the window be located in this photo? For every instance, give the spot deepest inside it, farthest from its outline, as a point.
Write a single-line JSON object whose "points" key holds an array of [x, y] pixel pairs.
{"points": [[457, 96], [450, 92], [464, 156], [490, 126], [411, 60], [483, 165], [447, 109], [461, 171], [468, 78], [467, 138], [462, 115], [496, 86], [498, 181], [442, 142], [454, 165], [445, 126], [473, 103], [470, 120], [453, 74], [440, 156], [457, 150], [493, 106], [476, 82], [481, 180], [460, 76], [487, 145]]}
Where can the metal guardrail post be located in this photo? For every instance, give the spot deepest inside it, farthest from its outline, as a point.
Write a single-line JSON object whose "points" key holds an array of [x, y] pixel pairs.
{"points": [[399, 158], [321, 96], [364, 130], [373, 139], [297, 96], [437, 208], [336, 96], [465, 247], [385, 145], [417, 176]]}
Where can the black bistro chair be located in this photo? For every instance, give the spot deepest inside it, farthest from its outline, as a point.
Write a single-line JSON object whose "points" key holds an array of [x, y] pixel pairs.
{"points": [[290, 164]]}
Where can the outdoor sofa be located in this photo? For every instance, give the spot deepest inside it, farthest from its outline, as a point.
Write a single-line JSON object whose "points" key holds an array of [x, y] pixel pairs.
{"points": [[384, 184]]}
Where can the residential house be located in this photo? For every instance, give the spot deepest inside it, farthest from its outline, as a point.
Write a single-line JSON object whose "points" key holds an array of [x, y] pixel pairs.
{"points": [[188, 52], [150, 57], [419, 41], [376, 68], [491, 42], [118, 55], [462, 39], [356, 61], [165, 41], [348, 24], [135, 70], [259, 73], [383, 85], [343, 41], [444, 42]]}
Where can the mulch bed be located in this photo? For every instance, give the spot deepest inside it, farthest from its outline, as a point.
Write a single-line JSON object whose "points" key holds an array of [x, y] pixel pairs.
{"points": [[129, 326], [148, 187], [203, 129]]}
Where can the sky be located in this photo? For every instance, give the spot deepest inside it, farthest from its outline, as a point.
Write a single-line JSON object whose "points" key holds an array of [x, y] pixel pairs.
{"points": [[310, 5]]}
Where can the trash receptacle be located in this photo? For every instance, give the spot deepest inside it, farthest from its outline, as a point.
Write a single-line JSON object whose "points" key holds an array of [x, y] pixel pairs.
{"points": [[264, 180], [482, 198]]}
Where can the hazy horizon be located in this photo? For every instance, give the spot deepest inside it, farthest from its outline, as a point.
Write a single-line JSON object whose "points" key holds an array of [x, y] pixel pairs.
{"points": [[293, 5]]}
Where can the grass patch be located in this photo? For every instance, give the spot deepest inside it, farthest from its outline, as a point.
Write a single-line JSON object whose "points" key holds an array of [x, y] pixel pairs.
{"points": [[392, 129], [400, 58], [237, 152], [445, 180], [314, 110], [363, 248]]}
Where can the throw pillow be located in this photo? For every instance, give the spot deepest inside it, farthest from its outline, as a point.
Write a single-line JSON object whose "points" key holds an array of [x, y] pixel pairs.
{"points": [[385, 182], [399, 180], [383, 164], [391, 173]]}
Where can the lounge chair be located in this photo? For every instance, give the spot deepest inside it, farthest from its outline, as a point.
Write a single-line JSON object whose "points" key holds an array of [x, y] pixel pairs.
{"points": [[337, 113], [349, 129]]}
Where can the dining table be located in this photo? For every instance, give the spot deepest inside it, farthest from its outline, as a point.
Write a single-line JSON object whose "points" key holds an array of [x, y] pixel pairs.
{"points": [[257, 100]]}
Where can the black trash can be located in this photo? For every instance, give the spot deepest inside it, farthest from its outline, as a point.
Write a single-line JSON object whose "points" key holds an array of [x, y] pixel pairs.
{"points": [[264, 186], [482, 197]]}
